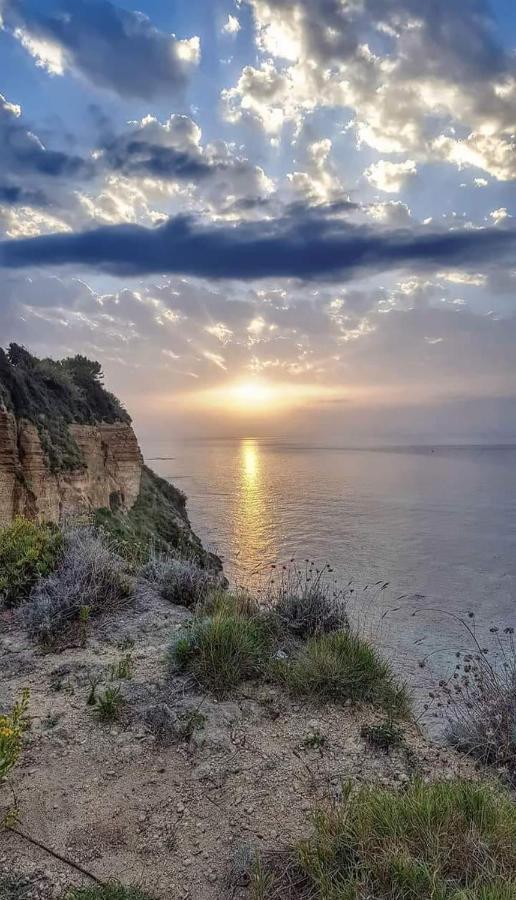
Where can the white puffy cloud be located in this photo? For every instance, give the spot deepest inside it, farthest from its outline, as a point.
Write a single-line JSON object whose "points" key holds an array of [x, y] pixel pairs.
{"points": [[431, 67], [390, 176], [231, 26]]}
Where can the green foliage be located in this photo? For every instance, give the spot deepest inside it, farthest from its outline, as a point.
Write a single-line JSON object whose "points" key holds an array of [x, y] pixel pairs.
{"points": [[386, 735], [123, 669], [108, 705], [28, 551], [111, 891], [156, 523], [341, 666], [452, 840], [53, 395], [224, 650], [12, 727]]}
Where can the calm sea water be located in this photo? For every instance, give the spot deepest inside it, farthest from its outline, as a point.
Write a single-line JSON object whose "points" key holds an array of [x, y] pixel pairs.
{"points": [[437, 523]]}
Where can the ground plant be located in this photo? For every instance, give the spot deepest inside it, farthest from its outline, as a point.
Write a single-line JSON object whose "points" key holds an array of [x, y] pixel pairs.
{"points": [[342, 666], [28, 551], [90, 575], [452, 840], [12, 728]]}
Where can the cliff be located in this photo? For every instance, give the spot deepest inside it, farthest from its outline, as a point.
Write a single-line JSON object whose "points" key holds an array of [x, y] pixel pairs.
{"points": [[67, 449], [109, 474]]}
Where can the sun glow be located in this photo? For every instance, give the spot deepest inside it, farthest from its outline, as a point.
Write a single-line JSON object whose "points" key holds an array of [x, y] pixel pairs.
{"points": [[258, 397]]}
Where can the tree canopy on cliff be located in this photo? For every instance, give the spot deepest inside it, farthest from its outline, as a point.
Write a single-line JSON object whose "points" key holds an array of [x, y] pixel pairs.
{"points": [[53, 394]]}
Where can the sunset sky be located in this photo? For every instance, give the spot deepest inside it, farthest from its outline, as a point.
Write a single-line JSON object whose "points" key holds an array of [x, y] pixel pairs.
{"points": [[278, 217]]}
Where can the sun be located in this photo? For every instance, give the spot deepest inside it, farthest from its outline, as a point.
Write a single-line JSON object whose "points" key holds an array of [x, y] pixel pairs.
{"points": [[254, 398], [251, 394]]}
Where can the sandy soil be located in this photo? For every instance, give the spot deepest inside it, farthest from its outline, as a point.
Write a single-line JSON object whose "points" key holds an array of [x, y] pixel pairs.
{"points": [[178, 816]]}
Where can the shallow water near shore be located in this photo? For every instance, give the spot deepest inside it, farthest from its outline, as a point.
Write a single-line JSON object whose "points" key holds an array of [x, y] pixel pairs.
{"points": [[437, 523]]}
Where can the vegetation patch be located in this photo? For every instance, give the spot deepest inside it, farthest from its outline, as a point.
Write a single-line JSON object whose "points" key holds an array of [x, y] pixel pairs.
{"points": [[52, 395], [156, 523], [180, 581], [307, 600], [384, 736], [90, 577], [223, 650], [342, 666], [12, 728], [452, 840], [479, 701], [28, 551]]}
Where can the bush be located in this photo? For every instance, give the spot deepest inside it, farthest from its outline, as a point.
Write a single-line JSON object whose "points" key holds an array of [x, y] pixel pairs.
{"points": [[307, 600], [479, 701], [12, 727], [90, 576], [28, 551], [111, 891], [342, 666], [224, 650], [452, 840], [180, 581]]}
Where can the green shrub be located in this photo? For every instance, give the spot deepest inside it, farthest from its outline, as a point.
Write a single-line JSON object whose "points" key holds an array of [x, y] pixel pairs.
{"points": [[111, 891], [342, 666], [28, 551], [452, 840], [224, 650]]}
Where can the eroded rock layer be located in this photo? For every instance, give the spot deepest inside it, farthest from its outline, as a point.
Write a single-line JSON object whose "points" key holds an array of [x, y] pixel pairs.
{"points": [[110, 476]]}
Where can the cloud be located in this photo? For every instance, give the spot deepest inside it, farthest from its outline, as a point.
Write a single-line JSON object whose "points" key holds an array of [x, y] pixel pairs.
{"points": [[172, 151], [310, 246], [23, 153], [14, 194], [111, 47], [232, 25], [390, 176], [434, 67]]}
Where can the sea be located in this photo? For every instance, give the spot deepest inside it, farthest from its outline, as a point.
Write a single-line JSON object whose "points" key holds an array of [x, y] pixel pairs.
{"points": [[422, 539]]}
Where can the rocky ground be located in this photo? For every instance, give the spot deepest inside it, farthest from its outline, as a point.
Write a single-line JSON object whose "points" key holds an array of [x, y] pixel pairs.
{"points": [[177, 794]]}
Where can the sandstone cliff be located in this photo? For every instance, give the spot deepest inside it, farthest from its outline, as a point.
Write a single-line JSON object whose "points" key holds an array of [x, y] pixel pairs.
{"points": [[109, 476], [67, 448]]}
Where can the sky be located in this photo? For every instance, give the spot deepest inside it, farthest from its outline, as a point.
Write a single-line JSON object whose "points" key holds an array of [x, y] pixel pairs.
{"points": [[288, 218]]}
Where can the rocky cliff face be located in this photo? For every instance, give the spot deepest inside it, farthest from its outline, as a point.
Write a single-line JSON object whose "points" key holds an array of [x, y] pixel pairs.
{"points": [[109, 477]]}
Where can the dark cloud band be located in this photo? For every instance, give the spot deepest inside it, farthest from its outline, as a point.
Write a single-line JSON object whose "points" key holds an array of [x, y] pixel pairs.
{"points": [[307, 247]]}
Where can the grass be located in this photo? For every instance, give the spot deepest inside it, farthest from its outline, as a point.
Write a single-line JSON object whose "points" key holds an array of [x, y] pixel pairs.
{"points": [[452, 840], [111, 891], [224, 650], [108, 706], [157, 523], [342, 666]]}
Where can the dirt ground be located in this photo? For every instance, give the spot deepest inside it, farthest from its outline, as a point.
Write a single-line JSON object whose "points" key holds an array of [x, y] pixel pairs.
{"points": [[177, 795]]}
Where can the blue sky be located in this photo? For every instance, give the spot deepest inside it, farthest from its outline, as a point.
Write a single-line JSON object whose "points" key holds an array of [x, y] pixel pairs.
{"points": [[312, 197]]}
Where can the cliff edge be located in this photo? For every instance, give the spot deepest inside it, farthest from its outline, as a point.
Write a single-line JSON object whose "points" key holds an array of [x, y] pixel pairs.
{"points": [[67, 448]]}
